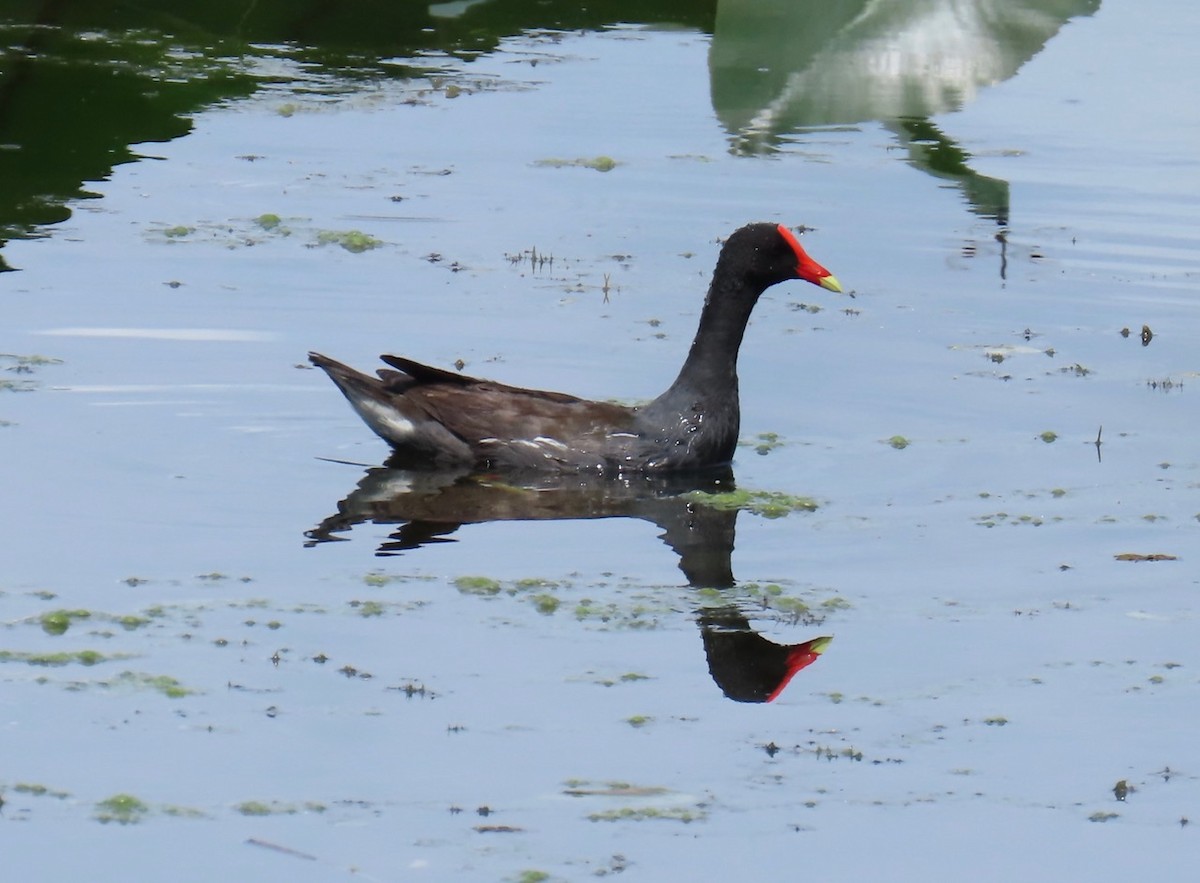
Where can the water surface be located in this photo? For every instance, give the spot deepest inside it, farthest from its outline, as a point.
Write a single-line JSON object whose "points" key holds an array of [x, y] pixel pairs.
{"points": [[1002, 188]]}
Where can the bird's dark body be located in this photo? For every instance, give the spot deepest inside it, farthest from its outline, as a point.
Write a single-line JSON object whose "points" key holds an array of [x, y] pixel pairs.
{"points": [[448, 419], [441, 418]]}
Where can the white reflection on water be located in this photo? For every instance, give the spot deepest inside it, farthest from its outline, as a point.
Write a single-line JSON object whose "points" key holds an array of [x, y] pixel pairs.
{"points": [[222, 335]]}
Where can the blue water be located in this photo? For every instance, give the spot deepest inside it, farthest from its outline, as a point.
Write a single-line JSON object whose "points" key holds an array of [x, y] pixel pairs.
{"points": [[997, 680]]}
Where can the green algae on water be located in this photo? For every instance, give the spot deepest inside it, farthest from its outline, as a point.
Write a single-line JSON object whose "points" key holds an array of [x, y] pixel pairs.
{"points": [[184, 812], [56, 622], [597, 163], [253, 808], [477, 585], [165, 684], [764, 443], [354, 241], [275, 808], [545, 603], [34, 789], [56, 660], [368, 608], [627, 813], [124, 809], [768, 504], [26, 364]]}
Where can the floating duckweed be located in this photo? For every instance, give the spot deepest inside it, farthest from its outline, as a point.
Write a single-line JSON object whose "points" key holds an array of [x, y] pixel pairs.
{"points": [[56, 622], [545, 603], [368, 608], [612, 616], [586, 788], [598, 163], [262, 808], [124, 809], [768, 504], [535, 582], [268, 221], [477, 585], [899, 442], [628, 813], [178, 231], [253, 808], [1048, 437], [38, 790], [766, 442], [55, 660], [354, 241], [790, 605], [532, 877], [184, 812], [638, 720], [165, 684], [27, 363]]}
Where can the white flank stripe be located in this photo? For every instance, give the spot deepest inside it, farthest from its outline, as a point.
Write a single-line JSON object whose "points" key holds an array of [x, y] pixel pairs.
{"points": [[383, 417]]}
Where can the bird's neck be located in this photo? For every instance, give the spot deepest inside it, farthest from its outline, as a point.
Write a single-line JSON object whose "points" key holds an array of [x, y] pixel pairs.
{"points": [[710, 369]]}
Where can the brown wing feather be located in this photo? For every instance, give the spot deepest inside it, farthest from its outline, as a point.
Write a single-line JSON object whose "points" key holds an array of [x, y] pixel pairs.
{"points": [[427, 373], [484, 410], [430, 413]]}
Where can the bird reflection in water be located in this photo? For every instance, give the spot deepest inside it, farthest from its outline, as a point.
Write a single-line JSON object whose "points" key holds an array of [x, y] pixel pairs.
{"points": [[428, 506]]}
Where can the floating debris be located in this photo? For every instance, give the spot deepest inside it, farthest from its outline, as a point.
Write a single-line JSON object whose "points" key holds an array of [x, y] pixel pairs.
{"points": [[598, 163]]}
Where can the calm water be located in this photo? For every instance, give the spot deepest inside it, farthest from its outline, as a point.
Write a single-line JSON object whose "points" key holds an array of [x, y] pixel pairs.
{"points": [[1001, 187]]}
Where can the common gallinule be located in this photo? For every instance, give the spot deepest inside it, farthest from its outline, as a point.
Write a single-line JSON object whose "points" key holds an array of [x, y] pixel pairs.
{"points": [[441, 418]]}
